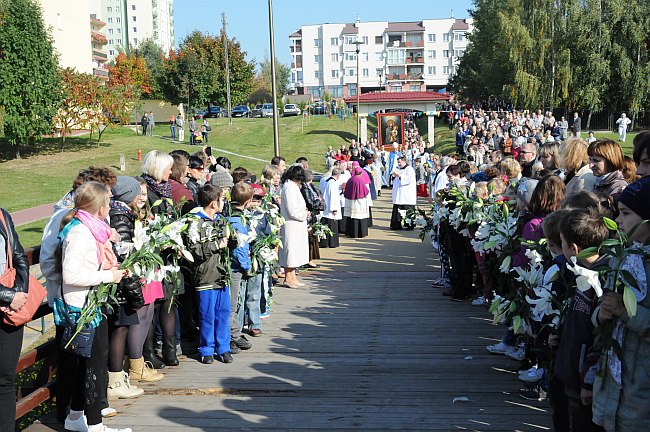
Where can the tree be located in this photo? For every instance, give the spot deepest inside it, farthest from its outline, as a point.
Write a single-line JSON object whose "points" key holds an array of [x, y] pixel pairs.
{"points": [[195, 73], [282, 74], [30, 90], [80, 102], [130, 70], [153, 56]]}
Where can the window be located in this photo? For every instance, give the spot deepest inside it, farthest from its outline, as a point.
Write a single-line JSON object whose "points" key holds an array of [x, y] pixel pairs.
{"points": [[299, 75], [334, 41], [134, 18], [117, 9], [350, 56], [396, 89], [110, 31], [119, 41], [431, 37], [352, 89], [445, 53], [379, 40], [335, 57], [135, 40], [118, 20], [379, 72], [446, 70], [459, 36], [364, 57], [366, 73], [110, 41], [316, 59], [365, 40], [414, 87], [135, 29], [432, 70], [109, 9], [111, 52], [335, 73], [316, 42], [349, 40], [350, 72], [119, 30], [379, 56], [335, 91], [132, 7], [431, 54], [110, 20], [396, 56], [317, 74], [459, 53], [445, 37]]}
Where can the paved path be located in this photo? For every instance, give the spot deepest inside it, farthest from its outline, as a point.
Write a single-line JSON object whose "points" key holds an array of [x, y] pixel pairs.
{"points": [[22, 217], [367, 345]]}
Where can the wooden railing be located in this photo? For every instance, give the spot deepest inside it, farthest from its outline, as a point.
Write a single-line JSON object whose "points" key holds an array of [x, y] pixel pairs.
{"points": [[42, 388]]}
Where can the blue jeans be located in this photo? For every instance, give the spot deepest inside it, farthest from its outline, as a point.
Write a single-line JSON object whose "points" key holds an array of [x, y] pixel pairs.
{"points": [[252, 303], [173, 129], [214, 313]]}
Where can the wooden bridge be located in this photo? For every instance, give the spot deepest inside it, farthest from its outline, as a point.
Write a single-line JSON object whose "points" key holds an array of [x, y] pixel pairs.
{"points": [[368, 344]]}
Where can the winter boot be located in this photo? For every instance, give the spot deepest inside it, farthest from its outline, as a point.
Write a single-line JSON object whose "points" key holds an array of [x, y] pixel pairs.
{"points": [[119, 387], [139, 370], [169, 350], [149, 354]]}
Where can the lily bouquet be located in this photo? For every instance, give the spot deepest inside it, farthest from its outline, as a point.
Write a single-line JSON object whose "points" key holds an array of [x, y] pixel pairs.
{"points": [[264, 228]]}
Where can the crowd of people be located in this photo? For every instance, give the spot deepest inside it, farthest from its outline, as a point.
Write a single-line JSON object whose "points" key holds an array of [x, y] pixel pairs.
{"points": [[192, 249], [549, 235]]}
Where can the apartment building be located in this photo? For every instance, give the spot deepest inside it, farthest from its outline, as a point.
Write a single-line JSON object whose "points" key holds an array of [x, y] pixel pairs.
{"points": [[129, 22], [393, 56]]}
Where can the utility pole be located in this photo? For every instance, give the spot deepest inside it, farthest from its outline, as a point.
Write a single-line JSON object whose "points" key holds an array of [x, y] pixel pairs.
{"points": [[225, 49], [357, 43], [274, 92]]}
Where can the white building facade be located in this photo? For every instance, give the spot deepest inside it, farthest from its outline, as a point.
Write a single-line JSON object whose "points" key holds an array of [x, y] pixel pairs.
{"points": [[129, 22], [393, 56]]}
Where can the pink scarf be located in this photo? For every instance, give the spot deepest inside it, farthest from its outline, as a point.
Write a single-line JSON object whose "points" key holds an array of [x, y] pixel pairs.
{"points": [[102, 232]]}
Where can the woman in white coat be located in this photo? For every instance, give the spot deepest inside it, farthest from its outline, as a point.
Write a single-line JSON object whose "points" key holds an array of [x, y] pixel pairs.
{"points": [[295, 241]]}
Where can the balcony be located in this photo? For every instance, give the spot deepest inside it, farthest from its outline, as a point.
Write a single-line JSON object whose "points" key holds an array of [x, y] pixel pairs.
{"points": [[101, 72], [296, 65], [415, 76], [396, 44], [98, 37], [395, 77], [100, 55], [416, 60]]}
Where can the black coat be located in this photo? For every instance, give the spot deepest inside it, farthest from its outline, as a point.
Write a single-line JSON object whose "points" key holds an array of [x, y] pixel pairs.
{"points": [[20, 262], [124, 224]]}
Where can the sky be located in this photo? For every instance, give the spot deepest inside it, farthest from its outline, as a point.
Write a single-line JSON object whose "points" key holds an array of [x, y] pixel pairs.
{"points": [[248, 20]]}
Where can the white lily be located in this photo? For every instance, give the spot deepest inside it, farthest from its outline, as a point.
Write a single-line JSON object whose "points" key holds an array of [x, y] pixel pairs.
{"points": [[586, 278]]}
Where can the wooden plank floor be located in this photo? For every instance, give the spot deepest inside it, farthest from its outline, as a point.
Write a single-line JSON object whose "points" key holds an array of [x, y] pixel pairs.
{"points": [[369, 344]]}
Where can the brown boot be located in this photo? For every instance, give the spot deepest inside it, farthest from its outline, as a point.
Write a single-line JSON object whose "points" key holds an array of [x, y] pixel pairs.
{"points": [[139, 370]]}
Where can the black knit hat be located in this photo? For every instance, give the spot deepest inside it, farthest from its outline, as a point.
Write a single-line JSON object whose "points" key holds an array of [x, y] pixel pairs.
{"points": [[636, 197]]}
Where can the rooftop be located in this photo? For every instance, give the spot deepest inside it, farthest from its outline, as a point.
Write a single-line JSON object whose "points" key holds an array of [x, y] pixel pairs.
{"points": [[404, 26], [380, 97], [460, 24], [350, 29]]}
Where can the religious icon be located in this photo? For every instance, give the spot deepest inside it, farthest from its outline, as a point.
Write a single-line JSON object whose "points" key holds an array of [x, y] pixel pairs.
{"points": [[391, 129]]}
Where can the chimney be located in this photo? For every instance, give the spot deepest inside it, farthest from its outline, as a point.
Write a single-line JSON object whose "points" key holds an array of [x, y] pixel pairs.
{"points": [[452, 13], [356, 24]]}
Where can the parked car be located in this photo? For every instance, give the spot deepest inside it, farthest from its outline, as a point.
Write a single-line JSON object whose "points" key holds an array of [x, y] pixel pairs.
{"points": [[213, 111], [291, 110], [267, 110], [257, 111], [241, 111]]}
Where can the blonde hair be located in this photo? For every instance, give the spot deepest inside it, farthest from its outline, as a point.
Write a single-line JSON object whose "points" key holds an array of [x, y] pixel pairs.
{"points": [[481, 190], [551, 149], [155, 163], [90, 197], [270, 171], [496, 186], [510, 167], [574, 154]]}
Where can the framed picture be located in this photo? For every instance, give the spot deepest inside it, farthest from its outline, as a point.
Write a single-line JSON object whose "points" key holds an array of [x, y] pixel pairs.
{"points": [[391, 129]]}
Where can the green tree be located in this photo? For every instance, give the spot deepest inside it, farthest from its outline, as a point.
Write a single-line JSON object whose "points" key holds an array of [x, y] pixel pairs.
{"points": [[29, 74], [282, 74], [153, 55], [195, 73]]}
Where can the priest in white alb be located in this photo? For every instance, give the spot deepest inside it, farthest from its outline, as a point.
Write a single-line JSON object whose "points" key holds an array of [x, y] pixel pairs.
{"points": [[404, 196]]}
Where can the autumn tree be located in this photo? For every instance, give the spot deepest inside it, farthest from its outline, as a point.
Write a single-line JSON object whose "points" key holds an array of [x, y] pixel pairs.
{"points": [[29, 75], [153, 56], [195, 73], [130, 70]]}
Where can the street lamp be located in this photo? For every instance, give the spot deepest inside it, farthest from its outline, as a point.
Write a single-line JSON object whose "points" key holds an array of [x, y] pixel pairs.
{"points": [[357, 43], [276, 136], [380, 73]]}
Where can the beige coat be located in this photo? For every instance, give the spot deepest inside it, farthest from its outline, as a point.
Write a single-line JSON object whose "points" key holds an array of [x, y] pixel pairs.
{"points": [[583, 180], [295, 242]]}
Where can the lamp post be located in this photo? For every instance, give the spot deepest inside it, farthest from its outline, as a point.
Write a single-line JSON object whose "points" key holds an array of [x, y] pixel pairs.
{"points": [[357, 43], [274, 92]]}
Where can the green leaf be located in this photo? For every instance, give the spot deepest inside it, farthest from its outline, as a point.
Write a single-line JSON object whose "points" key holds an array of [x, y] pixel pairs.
{"points": [[587, 253], [610, 224], [629, 300], [516, 323]]}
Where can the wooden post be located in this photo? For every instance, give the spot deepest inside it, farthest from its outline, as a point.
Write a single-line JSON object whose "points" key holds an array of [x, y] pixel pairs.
{"points": [[122, 163]]}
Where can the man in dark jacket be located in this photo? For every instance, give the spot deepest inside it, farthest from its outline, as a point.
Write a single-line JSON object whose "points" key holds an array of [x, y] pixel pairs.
{"points": [[144, 122]]}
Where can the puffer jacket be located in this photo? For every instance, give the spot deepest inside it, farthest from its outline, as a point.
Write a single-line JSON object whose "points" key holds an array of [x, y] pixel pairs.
{"points": [[610, 185], [123, 221], [20, 262], [207, 270]]}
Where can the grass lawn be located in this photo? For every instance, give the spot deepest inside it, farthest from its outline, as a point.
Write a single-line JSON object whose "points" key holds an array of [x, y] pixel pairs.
{"points": [[31, 233]]}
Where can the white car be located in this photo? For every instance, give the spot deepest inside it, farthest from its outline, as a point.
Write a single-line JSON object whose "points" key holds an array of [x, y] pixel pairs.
{"points": [[267, 110], [291, 110]]}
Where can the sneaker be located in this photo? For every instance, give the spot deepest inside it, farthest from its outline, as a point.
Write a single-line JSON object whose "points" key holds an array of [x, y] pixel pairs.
{"points": [[480, 301], [527, 371], [242, 343], [517, 354], [207, 359], [234, 349], [225, 357], [255, 332], [78, 425], [109, 412], [534, 393], [265, 314], [500, 348], [440, 282], [532, 376]]}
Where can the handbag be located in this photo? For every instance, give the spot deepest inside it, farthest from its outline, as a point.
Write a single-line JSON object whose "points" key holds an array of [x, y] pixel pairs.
{"points": [[208, 128], [78, 343], [36, 292]]}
